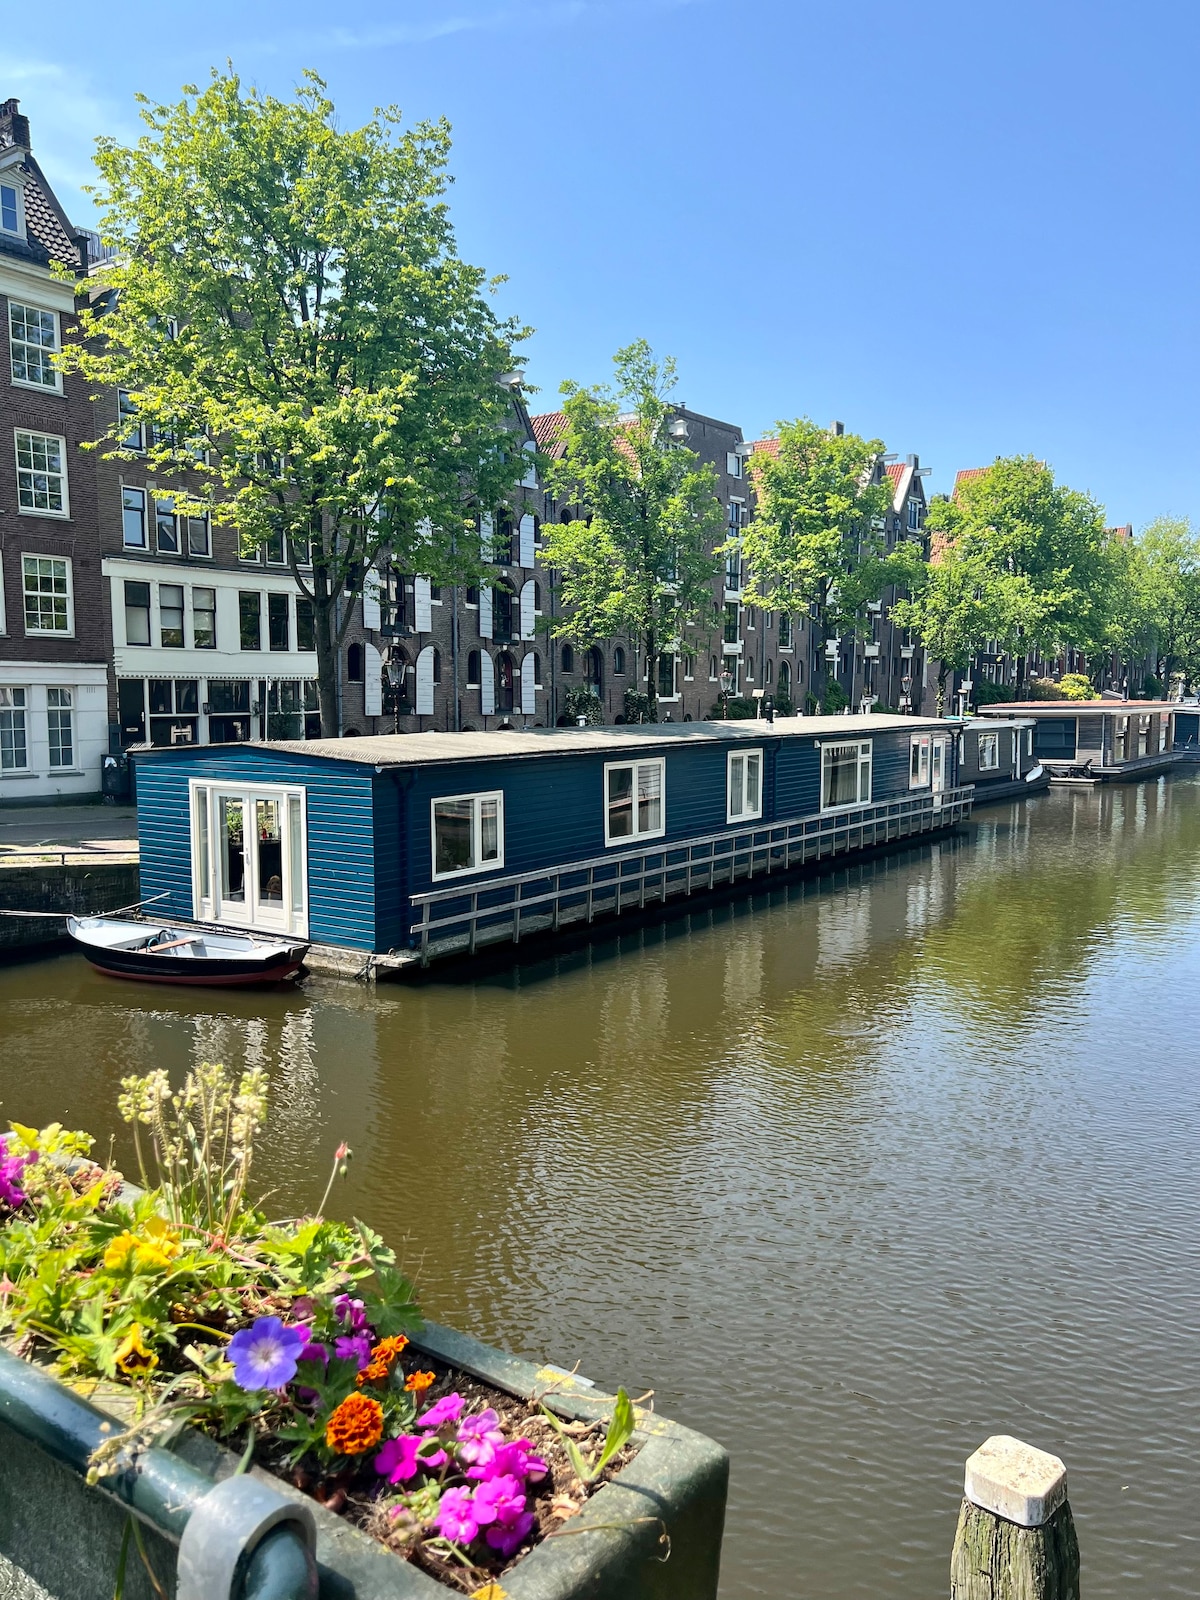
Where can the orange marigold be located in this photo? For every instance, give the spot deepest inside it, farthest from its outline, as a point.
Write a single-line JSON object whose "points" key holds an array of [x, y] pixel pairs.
{"points": [[418, 1382], [382, 1356], [355, 1426]]}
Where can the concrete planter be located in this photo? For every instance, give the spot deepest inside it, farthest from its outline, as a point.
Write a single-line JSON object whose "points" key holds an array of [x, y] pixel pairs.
{"points": [[61, 1539]]}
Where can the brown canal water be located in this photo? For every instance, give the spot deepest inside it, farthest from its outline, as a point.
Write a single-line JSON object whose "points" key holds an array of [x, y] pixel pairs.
{"points": [[852, 1174]]}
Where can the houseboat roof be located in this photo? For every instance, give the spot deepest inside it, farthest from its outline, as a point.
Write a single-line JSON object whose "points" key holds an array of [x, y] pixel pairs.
{"points": [[409, 749], [1034, 708]]}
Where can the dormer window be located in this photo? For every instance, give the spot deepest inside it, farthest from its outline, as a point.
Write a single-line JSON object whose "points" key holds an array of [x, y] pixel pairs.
{"points": [[10, 209]]}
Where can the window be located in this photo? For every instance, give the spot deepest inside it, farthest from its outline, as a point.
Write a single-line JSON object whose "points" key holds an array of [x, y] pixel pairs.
{"points": [[32, 340], [278, 625], [619, 662], [744, 797], [537, 597], [473, 669], [306, 631], [568, 658], [768, 671], [783, 689], [10, 210], [735, 517], [127, 409], [468, 834], [733, 571], [731, 622], [58, 723], [914, 516], [634, 800], [714, 669], [249, 551], [249, 619], [845, 775], [437, 666], [133, 518], [989, 752], [276, 549], [47, 594], [354, 663], [733, 464], [918, 761], [204, 619], [166, 527], [170, 615], [785, 631], [14, 746], [137, 612], [473, 598], [199, 541], [41, 474], [750, 669], [666, 677]]}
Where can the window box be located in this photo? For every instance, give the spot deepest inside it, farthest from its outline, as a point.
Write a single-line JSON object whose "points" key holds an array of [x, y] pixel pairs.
{"points": [[845, 775], [743, 797], [635, 800], [467, 834]]}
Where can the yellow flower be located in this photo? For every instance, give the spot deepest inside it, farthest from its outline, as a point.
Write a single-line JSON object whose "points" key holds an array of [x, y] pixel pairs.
{"points": [[132, 1354], [119, 1251], [155, 1250]]}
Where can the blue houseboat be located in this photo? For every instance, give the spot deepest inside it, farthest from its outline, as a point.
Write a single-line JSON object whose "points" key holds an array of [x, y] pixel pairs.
{"points": [[401, 848], [1085, 742]]}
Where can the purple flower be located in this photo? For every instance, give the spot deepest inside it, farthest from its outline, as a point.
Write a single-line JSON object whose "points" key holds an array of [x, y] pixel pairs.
{"points": [[314, 1350], [505, 1537], [499, 1500], [265, 1356], [351, 1311], [478, 1440], [447, 1409], [11, 1169], [455, 1517], [518, 1458], [397, 1460], [354, 1347]]}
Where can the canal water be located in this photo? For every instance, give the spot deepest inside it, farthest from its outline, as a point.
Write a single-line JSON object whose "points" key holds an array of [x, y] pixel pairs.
{"points": [[852, 1174]]}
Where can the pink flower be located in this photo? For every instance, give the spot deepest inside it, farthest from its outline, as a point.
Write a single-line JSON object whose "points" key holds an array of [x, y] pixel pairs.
{"points": [[500, 1499], [505, 1537], [11, 1170], [354, 1347], [351, 1311], [518, 1458], [447, 1409], [455, 1518], [397, 1460], [478, 1440]]}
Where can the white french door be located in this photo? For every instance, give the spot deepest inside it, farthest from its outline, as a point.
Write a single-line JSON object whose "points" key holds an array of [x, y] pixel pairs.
{"points": [[937, 770], [249, 859]]}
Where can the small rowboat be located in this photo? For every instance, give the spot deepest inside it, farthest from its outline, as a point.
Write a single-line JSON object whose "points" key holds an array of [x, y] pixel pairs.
{"points": [[154, 953]]}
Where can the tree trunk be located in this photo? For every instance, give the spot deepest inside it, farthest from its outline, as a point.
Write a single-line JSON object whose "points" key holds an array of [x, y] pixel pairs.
{"points": [[941, 690], [325, 629], [651, 677]]}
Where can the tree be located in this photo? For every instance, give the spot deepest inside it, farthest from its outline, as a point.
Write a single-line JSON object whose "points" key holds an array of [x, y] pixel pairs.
{"points": [[640, 561], [1053, 537], [815, 536], [299, 337], [1163, 610], [961, 600]]}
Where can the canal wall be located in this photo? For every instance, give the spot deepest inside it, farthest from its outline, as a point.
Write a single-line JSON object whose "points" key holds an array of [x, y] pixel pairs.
{"points": [[55, 890]]}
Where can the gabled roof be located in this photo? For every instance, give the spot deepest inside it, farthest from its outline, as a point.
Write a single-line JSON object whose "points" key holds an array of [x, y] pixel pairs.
{"points": [[766, 447], [1123, 533], [548, 430], [967, 474]]}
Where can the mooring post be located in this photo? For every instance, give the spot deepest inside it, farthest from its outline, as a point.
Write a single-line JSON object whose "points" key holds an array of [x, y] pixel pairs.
{"points": [[1016, 1536]]}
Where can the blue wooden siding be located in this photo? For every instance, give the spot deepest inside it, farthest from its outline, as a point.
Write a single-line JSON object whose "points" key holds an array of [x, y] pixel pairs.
{"points": [[341, 837]]}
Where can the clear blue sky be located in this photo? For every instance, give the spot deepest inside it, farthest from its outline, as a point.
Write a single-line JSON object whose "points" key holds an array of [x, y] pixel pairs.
{"points": [[970, 229]]}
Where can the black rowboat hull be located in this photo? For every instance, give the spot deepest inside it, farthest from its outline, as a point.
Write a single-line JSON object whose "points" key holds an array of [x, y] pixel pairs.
{"points": [[205, 972]]}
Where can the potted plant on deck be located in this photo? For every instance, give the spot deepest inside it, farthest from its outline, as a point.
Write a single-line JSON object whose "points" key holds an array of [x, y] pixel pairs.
{"points": [[428, 1463]]}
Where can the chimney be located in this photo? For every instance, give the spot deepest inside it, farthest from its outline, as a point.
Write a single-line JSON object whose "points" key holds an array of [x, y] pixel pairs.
{"points": [[14, 128], [912, 461], [837, 429]]}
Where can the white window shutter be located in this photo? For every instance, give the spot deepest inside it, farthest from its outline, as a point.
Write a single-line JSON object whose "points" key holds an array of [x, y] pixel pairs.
{"points": [[527, 610], [530, 479], [486, 530], [487, 684], [425, 681], [423, 615], [528, 687], [370, 600], [527, 557], [485, 613], [372, 681]]}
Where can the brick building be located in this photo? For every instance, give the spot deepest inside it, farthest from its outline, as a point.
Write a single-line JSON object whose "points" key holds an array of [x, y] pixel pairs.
{"points": [[53, 644]]}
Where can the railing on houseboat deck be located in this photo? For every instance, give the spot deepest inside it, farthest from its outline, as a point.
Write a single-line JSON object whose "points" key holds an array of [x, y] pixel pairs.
{"points": [[579, 891]]}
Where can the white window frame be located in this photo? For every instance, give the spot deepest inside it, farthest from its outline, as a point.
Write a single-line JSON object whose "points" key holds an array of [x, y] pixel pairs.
{"points": [[58, 711], [626, 839], [743, 758], [19, 231], [23, 712], [49, 633], [27, 383], [38, 511], [920, 742], [476, 798], [992, 742], [865, 763], [204, 795]]}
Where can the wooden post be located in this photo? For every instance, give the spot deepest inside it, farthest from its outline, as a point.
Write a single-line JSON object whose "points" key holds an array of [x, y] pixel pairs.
{"points": [[1016, 1536]]}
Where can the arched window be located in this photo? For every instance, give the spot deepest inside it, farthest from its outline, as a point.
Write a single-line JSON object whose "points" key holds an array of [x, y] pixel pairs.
{"points": [[502, 545], [502, 613], [768, 671], [537, 598], [354, 663], [593, 669], [437, 665], [537, 530], [714, 669], [473, 669], [619, 662], [568, 658], [505, 673], [784, 686], [565, 514], [537, 670], [749, 666]]}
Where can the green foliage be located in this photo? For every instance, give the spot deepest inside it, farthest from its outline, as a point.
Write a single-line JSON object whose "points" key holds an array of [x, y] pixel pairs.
{"points": [[734, 708], [581, 702], [638, 707], [1076, 686], [1151, 687], [1045, 689], [811, 704], [834, 699], [619, 1432], [992, 694], [814, 538], [783, 705], [642, 562], [297, 332], [1160, 594]]}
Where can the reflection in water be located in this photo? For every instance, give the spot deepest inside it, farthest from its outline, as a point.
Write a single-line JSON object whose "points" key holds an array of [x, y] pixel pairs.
{"points": [[853, 1173]]}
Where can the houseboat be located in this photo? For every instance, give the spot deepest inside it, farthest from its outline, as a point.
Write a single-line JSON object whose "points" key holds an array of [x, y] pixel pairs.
{"points": [[398, 849], [999, 760], [1096, 741]]}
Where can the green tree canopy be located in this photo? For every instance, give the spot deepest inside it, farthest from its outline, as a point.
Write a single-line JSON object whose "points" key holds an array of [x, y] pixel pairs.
{"points": [[291, 319], [1161, 594], [641, 559]]}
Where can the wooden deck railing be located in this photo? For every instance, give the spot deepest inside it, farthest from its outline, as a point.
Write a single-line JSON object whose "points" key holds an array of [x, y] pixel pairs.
{"points": [[458, 919]]}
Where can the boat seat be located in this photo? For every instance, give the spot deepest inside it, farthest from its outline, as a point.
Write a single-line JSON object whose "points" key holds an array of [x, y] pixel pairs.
{"points": [[173, 944]]}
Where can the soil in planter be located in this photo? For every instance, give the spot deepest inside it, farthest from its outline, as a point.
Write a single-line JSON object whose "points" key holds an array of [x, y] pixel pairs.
{"points": [[361, 1497]]}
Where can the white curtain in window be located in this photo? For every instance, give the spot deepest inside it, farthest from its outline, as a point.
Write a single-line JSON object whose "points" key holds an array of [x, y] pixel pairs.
{"points": [[372, 681], [485, 613], [487, 684], [370, 599], [527, 541], [528, 686], [527, 596], [422, 614], [530, 478], [425, 681]]}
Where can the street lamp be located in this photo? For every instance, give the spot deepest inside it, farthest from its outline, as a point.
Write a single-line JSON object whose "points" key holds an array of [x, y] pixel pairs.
{"points": [[677, 431], [726, 686], [512, 380]]}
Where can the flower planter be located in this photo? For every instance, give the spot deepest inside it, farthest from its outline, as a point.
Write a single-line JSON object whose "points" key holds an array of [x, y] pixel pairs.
{"points": [[652, 1533]]}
